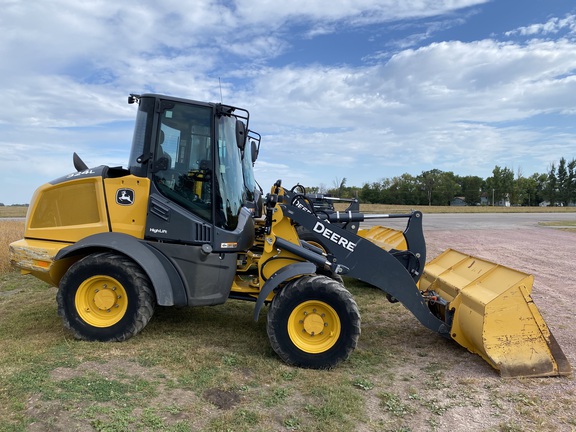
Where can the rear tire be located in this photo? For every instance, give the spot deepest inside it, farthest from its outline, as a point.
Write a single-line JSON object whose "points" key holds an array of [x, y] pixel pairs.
{"points": [[105, 297], [313, 322]]}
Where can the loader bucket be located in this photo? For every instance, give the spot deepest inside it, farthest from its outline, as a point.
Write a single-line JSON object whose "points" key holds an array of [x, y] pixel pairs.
{"points": [[385, 238], [494, 315]]}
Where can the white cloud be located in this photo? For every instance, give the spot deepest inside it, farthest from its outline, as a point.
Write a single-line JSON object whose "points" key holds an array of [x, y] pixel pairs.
{"points": [[460, 106], [551, 27], [259, 47], [415, 89], [440, 106], [357, 12]]}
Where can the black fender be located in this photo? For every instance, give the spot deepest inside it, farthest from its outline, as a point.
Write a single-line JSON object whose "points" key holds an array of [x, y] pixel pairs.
{"points": [[167, 283], [282, 275]]}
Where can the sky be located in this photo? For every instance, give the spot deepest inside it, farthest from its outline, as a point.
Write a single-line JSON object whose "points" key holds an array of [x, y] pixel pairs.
{"points": [[362, 90]]}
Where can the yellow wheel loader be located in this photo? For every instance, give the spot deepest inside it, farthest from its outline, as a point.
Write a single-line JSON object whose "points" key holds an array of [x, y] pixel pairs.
{"points": [[182, 225]]}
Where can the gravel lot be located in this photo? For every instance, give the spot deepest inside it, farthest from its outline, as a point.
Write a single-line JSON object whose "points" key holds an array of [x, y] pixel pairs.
{"points": [[546, 253], [516, 241]]}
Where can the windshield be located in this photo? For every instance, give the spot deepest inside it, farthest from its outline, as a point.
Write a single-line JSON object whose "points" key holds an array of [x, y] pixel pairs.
{"points": [[229, 178], [248, 171]]}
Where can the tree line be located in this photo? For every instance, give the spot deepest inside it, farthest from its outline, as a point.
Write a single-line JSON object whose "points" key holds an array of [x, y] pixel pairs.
{"points": [[436, 187]]}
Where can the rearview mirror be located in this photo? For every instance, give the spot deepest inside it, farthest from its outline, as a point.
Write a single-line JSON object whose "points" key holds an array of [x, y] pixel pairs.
{"points": [[240, 134], [254, 150]]}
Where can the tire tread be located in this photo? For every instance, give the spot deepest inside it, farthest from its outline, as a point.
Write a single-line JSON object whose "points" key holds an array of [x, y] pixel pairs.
{"points": [[300, 288], [146, 297]]}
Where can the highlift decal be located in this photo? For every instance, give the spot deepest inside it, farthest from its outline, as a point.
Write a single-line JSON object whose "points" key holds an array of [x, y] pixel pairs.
{"points": [[158, 231]]}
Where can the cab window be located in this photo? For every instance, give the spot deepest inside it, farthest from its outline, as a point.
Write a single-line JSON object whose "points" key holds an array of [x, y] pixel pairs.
{"points": [[183, 157]]}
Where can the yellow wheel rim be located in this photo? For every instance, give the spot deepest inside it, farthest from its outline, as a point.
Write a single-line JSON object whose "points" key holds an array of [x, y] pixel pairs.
{"points": [[314, 326], [101, 301]]}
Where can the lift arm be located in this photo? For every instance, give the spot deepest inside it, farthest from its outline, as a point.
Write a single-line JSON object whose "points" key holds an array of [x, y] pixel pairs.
{"points": [[482, 306], [358, 258]]}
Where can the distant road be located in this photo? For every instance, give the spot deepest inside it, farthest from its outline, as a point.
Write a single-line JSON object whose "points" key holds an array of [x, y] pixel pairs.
{"points": [[465, 221], [474, 221]]}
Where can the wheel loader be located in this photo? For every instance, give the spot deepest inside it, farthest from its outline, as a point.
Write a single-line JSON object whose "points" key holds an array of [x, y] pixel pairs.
{"points": [[184, 225]]}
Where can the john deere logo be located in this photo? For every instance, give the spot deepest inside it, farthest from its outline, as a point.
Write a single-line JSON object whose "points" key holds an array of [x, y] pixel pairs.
{"points": [[125, 197]]}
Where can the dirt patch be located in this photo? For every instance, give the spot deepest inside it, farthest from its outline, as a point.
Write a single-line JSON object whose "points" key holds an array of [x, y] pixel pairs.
{"points": [[172, 405], [113, 369], [9, 293], [438, 385], [223, 399], [548, 255]]}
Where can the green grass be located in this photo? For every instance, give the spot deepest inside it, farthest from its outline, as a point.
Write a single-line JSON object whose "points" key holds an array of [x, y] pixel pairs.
{"points": [[212, 369], [560, 223], [563, 225]]}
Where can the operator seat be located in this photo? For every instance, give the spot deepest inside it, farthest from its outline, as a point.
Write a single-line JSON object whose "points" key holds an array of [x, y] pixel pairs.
{"points": [[161, 152]]}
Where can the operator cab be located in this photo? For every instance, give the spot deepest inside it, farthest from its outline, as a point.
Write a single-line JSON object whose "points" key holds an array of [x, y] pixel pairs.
{"points": [[193, 154]]}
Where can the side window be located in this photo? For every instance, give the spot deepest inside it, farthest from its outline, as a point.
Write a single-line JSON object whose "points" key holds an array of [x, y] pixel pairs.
{"points": [[183, 159], [171, 143]]}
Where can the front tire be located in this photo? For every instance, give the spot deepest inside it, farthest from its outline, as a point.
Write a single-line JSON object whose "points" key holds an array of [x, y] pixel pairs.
{"points": [[105, 297], [313, 322]]}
